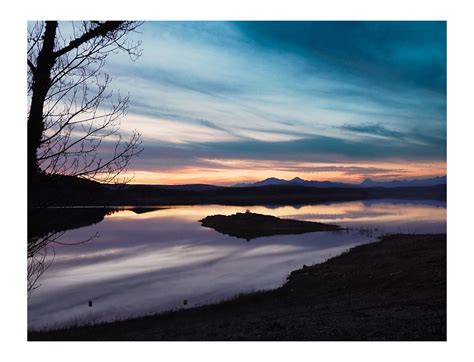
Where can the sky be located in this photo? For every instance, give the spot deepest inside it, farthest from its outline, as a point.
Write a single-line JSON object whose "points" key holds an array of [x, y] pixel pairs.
{"points": [[228, 102]]}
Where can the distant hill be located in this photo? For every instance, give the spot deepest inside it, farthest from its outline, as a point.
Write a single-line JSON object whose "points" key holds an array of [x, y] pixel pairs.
{"points": [[440, 180], [273, 181], [189, 187], [66, 191]]}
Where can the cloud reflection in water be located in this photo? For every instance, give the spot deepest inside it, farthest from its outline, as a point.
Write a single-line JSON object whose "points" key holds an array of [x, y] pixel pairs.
{"points": [[151, 262]]}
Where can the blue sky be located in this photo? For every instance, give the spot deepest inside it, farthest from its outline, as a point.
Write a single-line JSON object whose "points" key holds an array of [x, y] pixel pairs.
{"points": [[224, 101]]}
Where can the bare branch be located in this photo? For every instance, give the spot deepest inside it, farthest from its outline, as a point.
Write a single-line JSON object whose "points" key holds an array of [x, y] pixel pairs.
{"points": [[78, 111], [102, 29], [32, 67]]}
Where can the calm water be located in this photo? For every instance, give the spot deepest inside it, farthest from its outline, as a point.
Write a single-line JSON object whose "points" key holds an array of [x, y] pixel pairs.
{"points": [[151, 262]]}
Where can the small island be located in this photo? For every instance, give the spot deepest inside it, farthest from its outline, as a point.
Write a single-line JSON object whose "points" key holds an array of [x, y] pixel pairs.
{"points": [[250, 225], [143, 209]]}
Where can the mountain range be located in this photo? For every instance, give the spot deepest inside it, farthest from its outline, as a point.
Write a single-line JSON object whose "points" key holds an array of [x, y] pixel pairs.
{"points": [[273, 181]]}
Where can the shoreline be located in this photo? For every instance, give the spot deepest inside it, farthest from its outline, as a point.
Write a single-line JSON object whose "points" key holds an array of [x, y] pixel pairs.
{"points": [[392, 289]]}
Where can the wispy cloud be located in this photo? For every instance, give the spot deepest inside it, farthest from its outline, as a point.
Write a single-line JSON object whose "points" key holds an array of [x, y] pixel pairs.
{"points": [[375, 129], [292, 91]]}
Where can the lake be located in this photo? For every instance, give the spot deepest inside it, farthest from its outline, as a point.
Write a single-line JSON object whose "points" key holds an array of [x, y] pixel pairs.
{"points": [[145, 262]]}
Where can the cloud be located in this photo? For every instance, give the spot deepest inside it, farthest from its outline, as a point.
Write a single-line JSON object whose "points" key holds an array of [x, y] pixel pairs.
{"points": [[327, 149], [409, 53], [416, 135], [376, 129], [287, 91], [295, 157]]}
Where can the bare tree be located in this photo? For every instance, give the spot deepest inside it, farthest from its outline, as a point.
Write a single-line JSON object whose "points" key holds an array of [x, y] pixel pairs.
{"points": [[73, 120]]}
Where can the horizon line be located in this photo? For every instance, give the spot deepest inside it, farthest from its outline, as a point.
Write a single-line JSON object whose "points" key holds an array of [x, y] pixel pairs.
{"points": [[230, 184]]}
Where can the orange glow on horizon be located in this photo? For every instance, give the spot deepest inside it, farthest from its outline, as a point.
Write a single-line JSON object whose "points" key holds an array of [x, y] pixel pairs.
{"points": [[229, 172]]}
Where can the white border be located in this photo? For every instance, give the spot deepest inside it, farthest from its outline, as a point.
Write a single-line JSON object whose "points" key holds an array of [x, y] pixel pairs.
{"points": [[460, 140]]}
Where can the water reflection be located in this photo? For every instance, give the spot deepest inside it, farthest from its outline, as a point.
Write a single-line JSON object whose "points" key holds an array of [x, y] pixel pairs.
{"points": [[151, 261]]}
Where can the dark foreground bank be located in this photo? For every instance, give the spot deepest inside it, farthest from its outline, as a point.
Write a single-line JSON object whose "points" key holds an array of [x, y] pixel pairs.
{"points": [[394, 289]]}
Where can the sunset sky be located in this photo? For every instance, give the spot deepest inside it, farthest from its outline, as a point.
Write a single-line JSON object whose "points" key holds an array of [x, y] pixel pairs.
{"points": [[228, 102]]}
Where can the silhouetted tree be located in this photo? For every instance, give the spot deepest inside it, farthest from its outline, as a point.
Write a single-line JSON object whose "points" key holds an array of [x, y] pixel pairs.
{"points": [[73, 121]]}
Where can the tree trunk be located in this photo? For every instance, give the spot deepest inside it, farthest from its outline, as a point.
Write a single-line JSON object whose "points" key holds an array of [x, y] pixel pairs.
{"points": [[40, 87]]}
